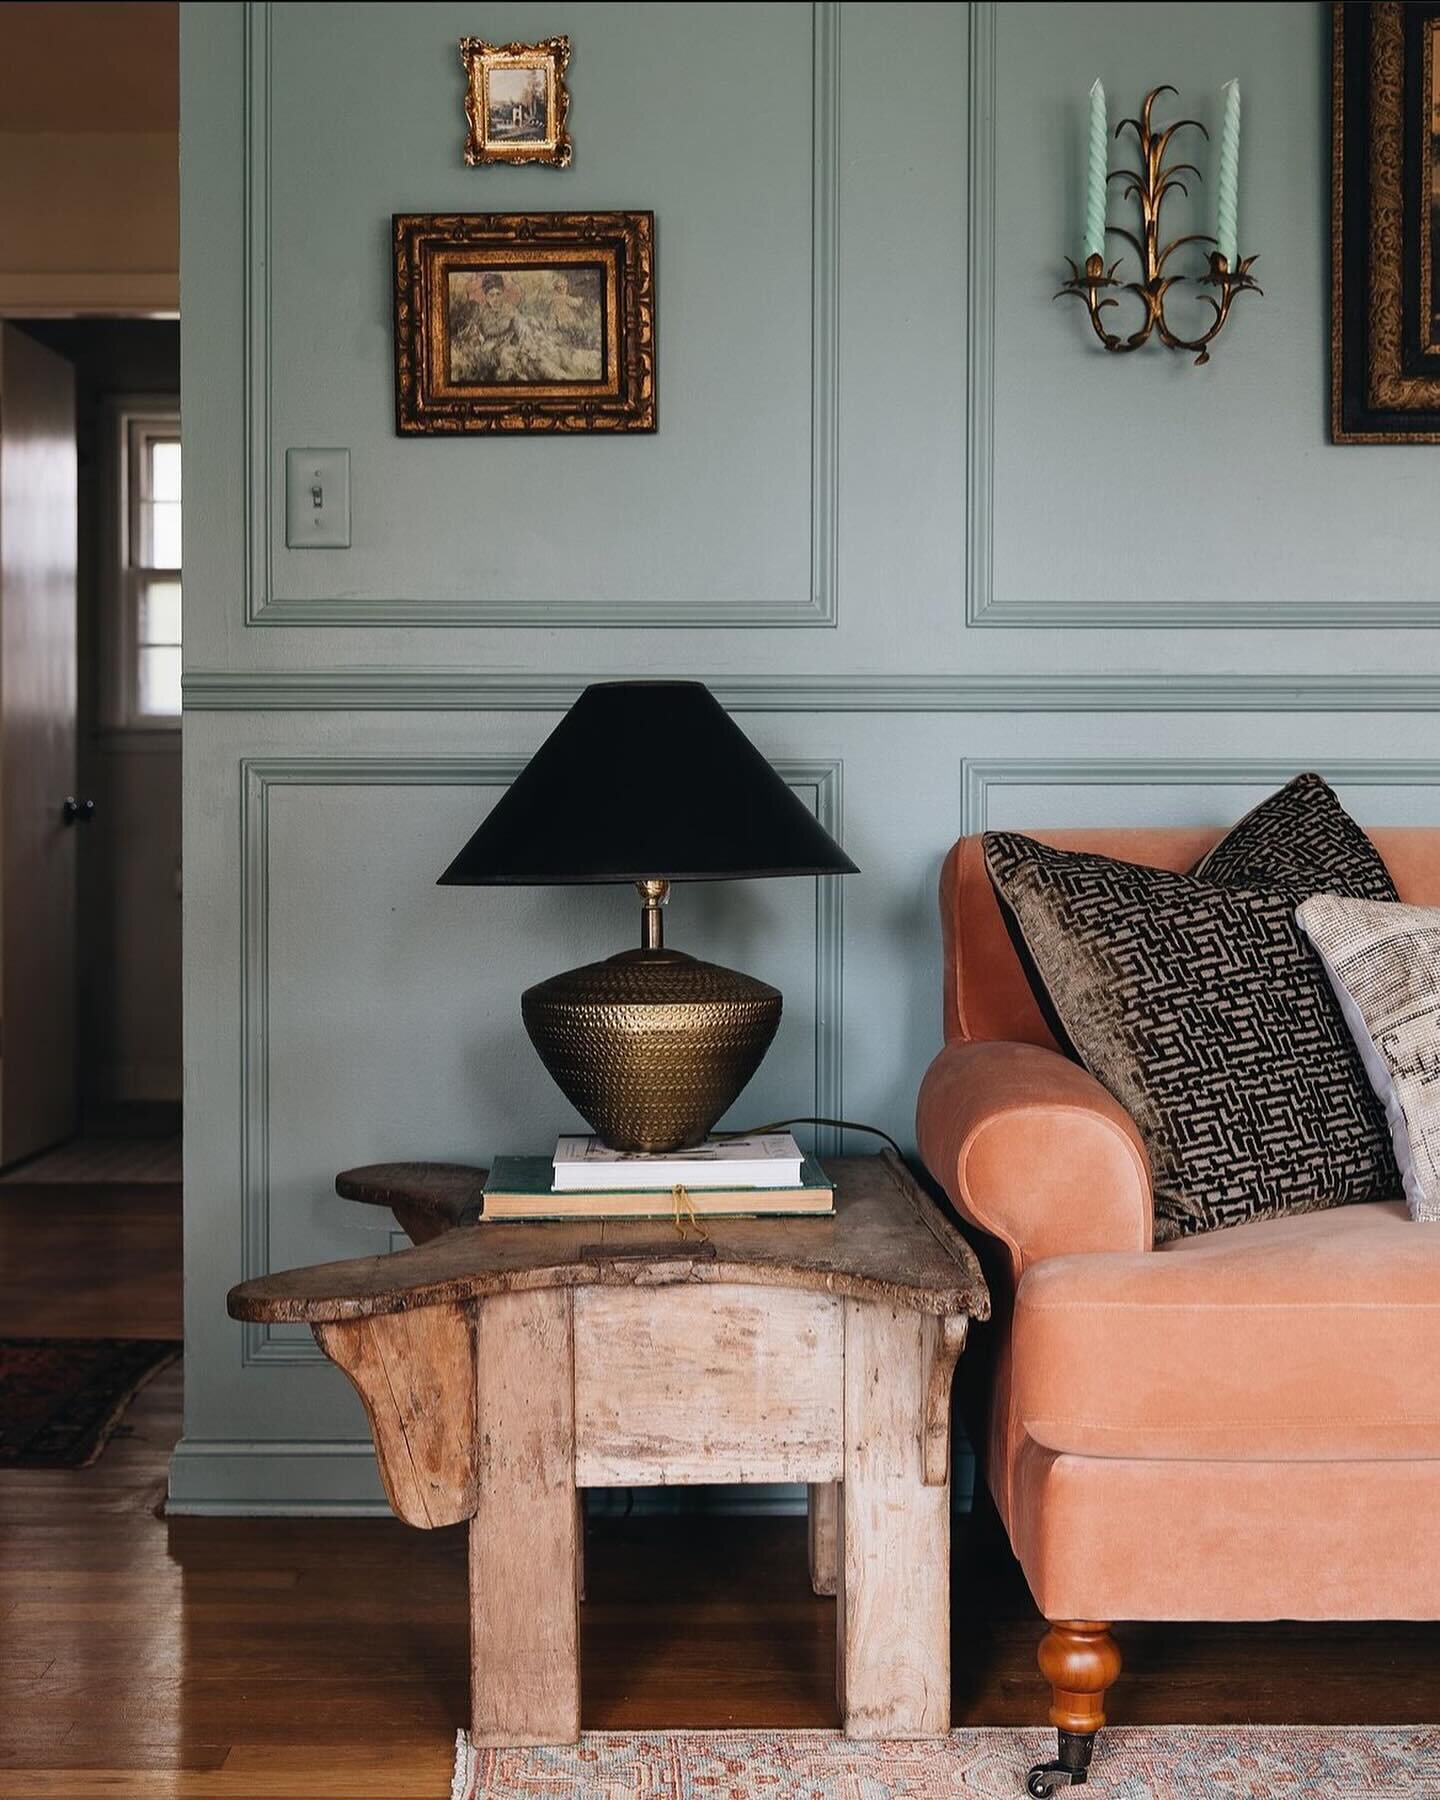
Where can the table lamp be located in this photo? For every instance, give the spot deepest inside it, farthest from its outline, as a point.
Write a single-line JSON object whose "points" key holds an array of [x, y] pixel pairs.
{"points": [[648, 782]]}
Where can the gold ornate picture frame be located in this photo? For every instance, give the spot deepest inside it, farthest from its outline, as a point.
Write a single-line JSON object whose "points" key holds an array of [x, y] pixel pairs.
{"points": [[1385, 224], [516, 102], [524, 322]]}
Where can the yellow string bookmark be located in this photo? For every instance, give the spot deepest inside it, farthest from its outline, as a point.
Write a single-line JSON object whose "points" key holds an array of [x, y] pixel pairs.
{"points": [[685, 1213]]}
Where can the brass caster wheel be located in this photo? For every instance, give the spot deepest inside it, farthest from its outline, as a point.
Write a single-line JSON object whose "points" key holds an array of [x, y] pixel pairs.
{"points": [[1070, 1769], [1048, 1778]]}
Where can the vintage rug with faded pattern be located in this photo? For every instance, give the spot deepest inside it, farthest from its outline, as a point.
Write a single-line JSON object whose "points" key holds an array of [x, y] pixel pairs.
{"points": [[61, 1398], [1172, 1762]]}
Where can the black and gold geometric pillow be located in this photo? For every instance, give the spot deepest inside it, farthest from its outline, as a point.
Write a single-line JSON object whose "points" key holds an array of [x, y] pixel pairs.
{"points": [[1202, 1009], [1301, 841]]}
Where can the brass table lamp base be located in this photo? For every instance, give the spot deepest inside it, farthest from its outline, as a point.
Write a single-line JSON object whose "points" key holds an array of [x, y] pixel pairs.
{"points": [[651, 1046]]}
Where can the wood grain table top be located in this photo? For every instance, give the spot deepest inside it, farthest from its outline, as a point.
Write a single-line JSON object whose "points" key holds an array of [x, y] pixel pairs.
{"points": [[887, 1241]]}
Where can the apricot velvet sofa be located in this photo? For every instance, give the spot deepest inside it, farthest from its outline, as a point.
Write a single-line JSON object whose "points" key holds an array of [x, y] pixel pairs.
{"points": [[1241, 1425]]}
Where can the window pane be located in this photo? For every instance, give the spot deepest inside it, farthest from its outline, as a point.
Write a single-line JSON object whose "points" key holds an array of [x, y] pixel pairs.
{"points": [[165, 468], [160, 680], [149, 592], [160, 534], [160, 612]]}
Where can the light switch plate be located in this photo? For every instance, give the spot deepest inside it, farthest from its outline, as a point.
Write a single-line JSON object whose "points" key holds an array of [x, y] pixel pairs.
{"points": [[317, 499]]}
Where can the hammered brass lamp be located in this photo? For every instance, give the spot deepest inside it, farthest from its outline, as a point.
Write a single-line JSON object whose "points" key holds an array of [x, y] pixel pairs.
{"points": [[648, 782]]}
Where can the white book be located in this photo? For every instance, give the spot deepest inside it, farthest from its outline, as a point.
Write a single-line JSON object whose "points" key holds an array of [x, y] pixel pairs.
{"points": [[583, 1165]]}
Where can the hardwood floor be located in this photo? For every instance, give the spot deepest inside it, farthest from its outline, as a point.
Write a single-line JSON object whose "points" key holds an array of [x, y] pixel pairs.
{"points": [[101, 1260], [191, 1659]]}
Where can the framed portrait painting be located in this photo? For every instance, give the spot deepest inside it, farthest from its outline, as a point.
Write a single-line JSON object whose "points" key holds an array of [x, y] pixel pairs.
{"points": [[1385, 224], [513, 322]]}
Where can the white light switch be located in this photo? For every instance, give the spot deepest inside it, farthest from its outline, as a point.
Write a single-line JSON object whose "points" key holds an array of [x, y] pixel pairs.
{"points": [[317, 499]]}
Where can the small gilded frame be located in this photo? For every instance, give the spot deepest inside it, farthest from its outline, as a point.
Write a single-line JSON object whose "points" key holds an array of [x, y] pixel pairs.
{"points": [[513, 322], [516, 102]]}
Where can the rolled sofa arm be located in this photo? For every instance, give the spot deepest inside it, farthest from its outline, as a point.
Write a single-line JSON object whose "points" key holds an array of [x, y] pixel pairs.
{"points": [[1032, 1149]]}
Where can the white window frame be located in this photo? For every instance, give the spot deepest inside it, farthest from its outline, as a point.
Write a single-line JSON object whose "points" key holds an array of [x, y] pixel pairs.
{"points": [[130, 420]]}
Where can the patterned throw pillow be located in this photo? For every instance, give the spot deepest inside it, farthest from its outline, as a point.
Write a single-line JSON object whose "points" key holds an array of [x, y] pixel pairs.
{"points": [[1300, 841], [1383, 960], [1203, 1011]]}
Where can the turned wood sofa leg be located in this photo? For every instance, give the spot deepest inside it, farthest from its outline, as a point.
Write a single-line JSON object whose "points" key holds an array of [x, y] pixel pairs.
{"points": [[1081, 1661]]}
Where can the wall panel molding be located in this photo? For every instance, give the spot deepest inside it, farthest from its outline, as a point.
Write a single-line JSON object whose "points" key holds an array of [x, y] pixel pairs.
{"points": [[983, 605], [980, 776], [265, 604], [980, 320], [477, 690], [260, 776]]}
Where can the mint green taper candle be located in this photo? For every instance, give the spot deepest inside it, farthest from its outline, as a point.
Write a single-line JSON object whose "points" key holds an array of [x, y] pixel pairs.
{"points": [[1095, 190], [1228, 180]]}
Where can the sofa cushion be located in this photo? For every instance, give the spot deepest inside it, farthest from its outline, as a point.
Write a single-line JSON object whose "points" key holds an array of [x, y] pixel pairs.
{"points": [[1113, 1537], [986, 995], [1296, 1338], [1206, 1014], [1383, 961], [1300, 840]]}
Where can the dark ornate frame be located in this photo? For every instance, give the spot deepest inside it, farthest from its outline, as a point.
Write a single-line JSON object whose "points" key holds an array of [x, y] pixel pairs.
{"points": [[1384, 344], [427, 243]]}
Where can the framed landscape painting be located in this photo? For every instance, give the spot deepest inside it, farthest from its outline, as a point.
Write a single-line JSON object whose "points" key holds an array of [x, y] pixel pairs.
{"points": [[1385, 219], [513, 322], [516, 102]]}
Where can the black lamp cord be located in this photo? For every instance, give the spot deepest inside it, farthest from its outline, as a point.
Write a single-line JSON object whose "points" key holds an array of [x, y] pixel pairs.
{"points": [[813, 1119]]}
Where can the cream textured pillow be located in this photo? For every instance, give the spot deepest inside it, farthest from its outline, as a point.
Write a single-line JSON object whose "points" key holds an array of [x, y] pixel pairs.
{"points": [[1383, 960]]}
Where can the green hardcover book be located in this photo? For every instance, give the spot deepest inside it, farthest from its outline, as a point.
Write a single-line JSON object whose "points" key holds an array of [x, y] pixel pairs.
{"points": [[519, 1188]]}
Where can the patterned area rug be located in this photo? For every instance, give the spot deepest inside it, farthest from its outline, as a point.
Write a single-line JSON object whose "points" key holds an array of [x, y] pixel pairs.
{"points": [[1227, 1762], [60, 1398]]}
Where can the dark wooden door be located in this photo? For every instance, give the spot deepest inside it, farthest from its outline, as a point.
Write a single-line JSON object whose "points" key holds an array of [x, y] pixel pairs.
{"points": [[38, 1070]]}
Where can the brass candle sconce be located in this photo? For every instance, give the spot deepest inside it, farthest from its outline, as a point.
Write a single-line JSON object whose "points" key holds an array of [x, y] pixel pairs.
{"points": [[1150, 184]]}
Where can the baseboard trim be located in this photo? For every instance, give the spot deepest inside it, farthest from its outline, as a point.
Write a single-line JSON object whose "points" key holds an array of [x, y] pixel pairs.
{"points": [[249, 1478], [275, 1509]]}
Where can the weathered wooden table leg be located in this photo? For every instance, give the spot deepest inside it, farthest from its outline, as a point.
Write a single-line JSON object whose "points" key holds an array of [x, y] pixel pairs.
{"points": [[893, 1624], [524, 1537], [824, 1507]]}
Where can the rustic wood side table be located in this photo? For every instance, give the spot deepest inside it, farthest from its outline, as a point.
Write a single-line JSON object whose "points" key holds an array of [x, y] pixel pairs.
{"points": [[506, 1367]]}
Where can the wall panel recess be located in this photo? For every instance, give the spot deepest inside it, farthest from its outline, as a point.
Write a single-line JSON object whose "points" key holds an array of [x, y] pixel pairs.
{"points": [[487, 532]]}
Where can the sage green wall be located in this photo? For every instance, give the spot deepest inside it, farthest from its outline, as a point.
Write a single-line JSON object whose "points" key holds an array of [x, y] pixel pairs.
{"points": [[951, 563]]}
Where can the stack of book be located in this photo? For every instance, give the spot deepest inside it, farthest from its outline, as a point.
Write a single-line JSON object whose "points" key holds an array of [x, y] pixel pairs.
{"points": [[734, 1177]]}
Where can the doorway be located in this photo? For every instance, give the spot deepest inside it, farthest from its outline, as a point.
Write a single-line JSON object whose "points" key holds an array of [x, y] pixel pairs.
{"points": [[90, 608], [123, 814], [89, 297]]}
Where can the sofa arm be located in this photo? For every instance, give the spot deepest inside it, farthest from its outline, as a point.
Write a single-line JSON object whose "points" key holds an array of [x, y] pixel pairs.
{"points": [[1033, 1150]]}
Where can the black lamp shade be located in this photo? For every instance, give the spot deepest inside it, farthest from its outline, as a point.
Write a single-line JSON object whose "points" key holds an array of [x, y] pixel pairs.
{"points": [[646, 780]]}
